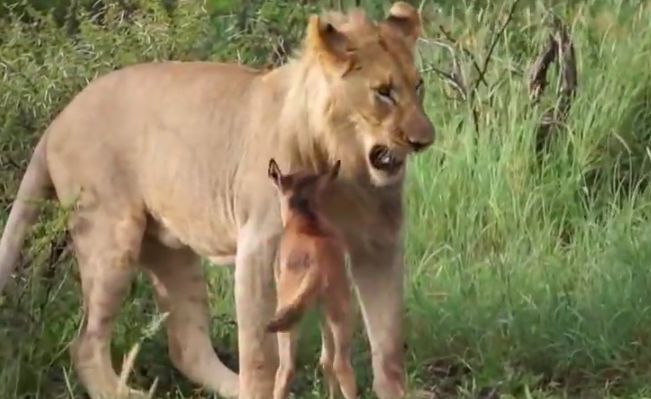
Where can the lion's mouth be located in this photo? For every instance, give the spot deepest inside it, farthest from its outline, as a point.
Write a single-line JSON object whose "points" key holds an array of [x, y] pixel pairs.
{"points": [[382, 158]]}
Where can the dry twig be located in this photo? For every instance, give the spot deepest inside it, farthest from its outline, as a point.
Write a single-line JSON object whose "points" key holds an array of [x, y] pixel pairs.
{"points": [[464, 49], [559, 49], [538, 75], [493, 44], [455, 78]]}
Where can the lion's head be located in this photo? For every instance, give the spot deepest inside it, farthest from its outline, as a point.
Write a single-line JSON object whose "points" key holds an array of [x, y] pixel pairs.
{"points": [[373, 89]]}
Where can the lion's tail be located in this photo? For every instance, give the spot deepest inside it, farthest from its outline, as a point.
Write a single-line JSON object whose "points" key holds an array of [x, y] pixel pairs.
{"points": [[34, 186], [290, 314]]}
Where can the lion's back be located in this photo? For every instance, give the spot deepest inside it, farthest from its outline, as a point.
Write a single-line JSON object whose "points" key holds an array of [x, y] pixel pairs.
{"points": [[122, 121], [149, 88]]}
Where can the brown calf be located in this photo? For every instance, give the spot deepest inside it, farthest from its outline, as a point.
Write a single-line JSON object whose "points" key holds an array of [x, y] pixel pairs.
{"points": [[312, 269]]}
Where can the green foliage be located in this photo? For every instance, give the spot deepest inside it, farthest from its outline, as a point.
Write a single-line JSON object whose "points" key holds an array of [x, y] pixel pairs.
{"points": [[532, 274]]}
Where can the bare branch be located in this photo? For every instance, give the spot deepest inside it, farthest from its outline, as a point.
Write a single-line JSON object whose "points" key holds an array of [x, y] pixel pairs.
{"points": [[561, 50], [450, 78], [493, 44], [8, 161], [454, 78], [465, 50], [567, 65], [538, 74], [457, 74]]}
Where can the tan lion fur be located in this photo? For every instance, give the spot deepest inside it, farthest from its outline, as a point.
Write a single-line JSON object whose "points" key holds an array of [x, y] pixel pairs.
{"points": [[164, 162]]}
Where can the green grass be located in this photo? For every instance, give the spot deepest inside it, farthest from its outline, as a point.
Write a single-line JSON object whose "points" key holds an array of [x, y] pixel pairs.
{"points": [[532, 275]]}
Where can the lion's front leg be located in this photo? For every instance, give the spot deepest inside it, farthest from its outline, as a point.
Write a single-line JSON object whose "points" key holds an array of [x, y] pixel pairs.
{"points": [[255, 301], [379, 281]]}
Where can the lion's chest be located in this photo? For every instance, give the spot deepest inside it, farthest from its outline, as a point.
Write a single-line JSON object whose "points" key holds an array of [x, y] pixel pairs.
{"points": [[368, 219]]}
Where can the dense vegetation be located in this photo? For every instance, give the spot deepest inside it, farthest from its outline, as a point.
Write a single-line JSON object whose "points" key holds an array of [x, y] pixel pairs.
{"points": [[528, 272]]}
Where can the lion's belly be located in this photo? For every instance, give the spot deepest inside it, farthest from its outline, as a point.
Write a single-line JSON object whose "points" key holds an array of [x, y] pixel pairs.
{"points": [[195, 222], [217, 251], [186, 191]]}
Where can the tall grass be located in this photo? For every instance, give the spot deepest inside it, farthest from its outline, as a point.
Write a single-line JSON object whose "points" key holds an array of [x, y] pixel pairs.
{"points": [[530, 275], [515, 270]]}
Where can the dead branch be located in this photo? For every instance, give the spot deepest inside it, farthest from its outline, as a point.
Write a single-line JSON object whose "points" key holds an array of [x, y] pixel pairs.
{"points": [[493, 44], [464, 49], [451, 78], [279, 53], [567, 67], [559, 49], [538, 75], [8, 161], [455, 78]]}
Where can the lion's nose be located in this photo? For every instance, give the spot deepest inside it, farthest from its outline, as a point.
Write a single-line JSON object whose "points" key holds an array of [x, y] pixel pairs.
{"points": [[419, 131], [421, 135]]}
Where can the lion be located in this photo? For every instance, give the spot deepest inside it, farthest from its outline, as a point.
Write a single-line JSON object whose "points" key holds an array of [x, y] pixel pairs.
{"points": [[163, 163]]}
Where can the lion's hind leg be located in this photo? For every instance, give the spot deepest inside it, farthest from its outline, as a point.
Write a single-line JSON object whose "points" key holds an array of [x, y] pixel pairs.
{"points": [[107, 246], [181, 290]]}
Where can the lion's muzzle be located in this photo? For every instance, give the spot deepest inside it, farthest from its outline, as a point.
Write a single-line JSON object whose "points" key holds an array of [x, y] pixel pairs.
{"points": [[418, 130]]}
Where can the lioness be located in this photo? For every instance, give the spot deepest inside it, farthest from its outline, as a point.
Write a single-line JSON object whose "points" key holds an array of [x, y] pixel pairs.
{"points": [[164, 161], [311, 271]]}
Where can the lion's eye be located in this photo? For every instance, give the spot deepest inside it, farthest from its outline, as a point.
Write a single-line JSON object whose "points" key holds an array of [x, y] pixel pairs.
{"points": [[384, 92]]}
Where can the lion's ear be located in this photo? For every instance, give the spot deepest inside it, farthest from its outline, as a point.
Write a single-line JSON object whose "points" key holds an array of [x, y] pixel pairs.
{"points": [[328, 42], [404, 19]]}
